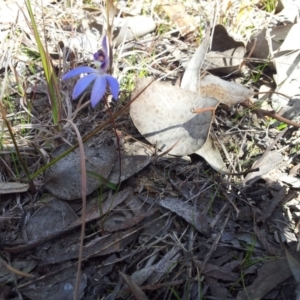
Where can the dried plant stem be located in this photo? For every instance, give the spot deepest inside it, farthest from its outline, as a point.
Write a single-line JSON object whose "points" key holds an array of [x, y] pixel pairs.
{"points": [[118, 140], [83, 195]]}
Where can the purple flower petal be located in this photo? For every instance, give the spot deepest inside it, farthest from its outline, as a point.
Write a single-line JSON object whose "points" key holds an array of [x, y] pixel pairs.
{"points": [[105, 45], [98, 90], [78, 71], [105, 62], [114, 86], [82, 84]]}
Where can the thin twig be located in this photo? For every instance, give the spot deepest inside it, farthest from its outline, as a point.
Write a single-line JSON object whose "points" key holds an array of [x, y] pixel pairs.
{"points": [[270, 114]]}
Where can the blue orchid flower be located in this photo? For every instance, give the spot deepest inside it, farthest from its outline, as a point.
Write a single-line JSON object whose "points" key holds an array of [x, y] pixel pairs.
{"points": [[96, 76]]}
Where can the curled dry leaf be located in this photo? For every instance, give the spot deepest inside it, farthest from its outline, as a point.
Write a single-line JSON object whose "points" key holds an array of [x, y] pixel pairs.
{"points": [[226, 55]]}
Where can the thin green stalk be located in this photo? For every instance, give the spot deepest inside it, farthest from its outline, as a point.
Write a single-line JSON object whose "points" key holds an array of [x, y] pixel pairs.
{"points": [[51, 79]]}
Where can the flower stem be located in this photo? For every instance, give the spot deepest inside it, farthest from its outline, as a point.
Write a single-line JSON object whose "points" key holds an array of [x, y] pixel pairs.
{"points": [[118, 140]]}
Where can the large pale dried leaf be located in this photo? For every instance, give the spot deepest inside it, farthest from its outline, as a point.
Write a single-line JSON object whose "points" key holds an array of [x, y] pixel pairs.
{"points": [[287, 57], [212, 156], [135, 27], [163, 115], [63, 179], [229, 93], [287, 65], [287, 79], [288, 10], [191, 82]]}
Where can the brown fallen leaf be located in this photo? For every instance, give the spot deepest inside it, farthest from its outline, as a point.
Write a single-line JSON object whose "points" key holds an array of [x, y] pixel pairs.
{"points": [[178, 16]]}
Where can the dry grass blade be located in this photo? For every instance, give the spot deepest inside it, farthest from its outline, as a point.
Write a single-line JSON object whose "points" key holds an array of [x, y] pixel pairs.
{"points": [[134, 288]]}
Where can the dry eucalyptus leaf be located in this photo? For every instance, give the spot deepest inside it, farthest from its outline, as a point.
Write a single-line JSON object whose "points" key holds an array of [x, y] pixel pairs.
{"points": [[260, 45], [229, 93], [163, 115], [54, 216], [278, 35], [135, 156], [222, 41], [130, 164], [294, 266], [226, 54], [270, 275], [212, 156], [135, 27], [266, 163], [63, 179]]}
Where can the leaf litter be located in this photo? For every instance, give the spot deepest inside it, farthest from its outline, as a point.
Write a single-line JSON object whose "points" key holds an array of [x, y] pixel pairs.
{"points": [[173, 226]]}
